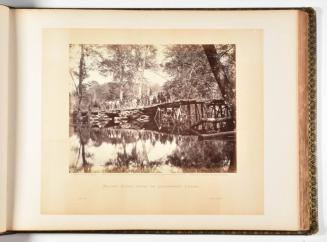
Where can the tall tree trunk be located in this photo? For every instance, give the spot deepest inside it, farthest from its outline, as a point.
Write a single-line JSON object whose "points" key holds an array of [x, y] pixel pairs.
{"points": [[81, 76], [145, 52], [121, 92], [212, 57], [224, 85]]}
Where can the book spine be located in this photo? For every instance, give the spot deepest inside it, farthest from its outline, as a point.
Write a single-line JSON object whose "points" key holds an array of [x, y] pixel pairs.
{"points": [[307, 119], [4, 81]]}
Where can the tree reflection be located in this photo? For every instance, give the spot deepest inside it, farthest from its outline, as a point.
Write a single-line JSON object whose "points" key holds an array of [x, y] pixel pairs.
{"points": [[82, 163], [130, 151]]}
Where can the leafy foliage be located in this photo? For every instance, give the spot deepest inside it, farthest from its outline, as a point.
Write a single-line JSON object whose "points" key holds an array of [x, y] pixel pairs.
{"points": [[191, 75]]}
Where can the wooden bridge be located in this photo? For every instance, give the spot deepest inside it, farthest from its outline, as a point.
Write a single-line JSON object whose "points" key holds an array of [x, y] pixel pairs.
{"points": [[199, 117]]}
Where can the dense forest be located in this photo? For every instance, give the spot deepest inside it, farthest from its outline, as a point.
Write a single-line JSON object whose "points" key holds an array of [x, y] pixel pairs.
{"points": [[187, 72]]}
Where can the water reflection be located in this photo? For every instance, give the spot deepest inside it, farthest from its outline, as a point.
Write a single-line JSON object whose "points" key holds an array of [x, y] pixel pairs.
{"points": [[128, 150]]}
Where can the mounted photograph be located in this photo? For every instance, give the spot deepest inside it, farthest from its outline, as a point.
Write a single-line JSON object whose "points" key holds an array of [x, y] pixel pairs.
{"points": [[158, 121], [152, 108]]}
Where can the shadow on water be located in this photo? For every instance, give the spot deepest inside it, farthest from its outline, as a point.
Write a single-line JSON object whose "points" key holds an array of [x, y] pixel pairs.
{"points": [[127, 150]]}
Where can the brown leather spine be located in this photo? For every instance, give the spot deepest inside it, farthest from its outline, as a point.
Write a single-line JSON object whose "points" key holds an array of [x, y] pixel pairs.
{"points": [[304, 185]]}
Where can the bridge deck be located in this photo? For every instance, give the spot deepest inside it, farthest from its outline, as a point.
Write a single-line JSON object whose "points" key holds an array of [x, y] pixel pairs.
{"points": [[173, 104]]}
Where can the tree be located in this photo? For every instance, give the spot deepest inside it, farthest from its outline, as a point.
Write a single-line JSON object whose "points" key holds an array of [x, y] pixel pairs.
{"points": [[127, 64], [194, 75], [189, 72], [224, 73], [82, 60]]}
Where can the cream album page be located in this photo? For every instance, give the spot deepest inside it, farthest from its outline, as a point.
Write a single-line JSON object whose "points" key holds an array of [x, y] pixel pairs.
{"points": [[136, 119]]}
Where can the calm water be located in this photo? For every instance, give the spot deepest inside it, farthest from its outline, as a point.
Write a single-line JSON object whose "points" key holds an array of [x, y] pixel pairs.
{"points": [[136, 151]]}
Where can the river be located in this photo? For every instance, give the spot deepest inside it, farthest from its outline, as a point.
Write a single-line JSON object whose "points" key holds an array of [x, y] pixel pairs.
{"points": [[117, 150]]}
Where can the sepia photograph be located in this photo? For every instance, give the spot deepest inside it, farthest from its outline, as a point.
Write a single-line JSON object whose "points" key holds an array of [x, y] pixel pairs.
{"points": [[152, 108]]}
